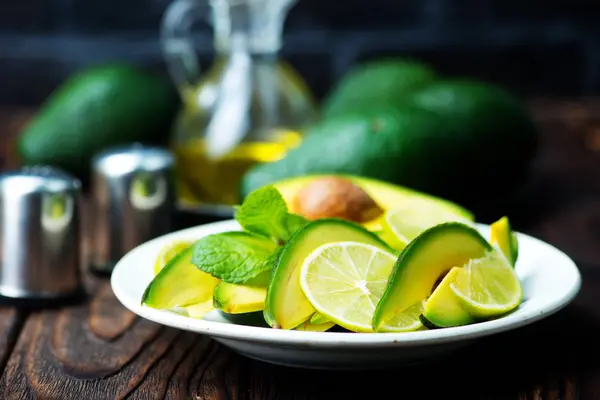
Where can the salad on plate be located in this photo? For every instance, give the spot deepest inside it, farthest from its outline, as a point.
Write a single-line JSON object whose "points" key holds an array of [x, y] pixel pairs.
{"points": [[335, 254]]}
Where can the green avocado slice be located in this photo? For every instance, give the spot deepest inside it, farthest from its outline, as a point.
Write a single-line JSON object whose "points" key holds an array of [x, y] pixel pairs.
{"points": [[430, 255]]}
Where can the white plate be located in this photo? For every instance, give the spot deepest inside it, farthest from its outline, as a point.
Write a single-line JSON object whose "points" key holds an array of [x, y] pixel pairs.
{"points": [[550, 281]]}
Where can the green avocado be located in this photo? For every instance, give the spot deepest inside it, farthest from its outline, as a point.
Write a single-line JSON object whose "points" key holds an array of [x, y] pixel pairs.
{"points": [[384, 81], [443, 309], [309, 326], [100, 107], [286, 306], [495, 137], [405, 146], [430, 255], [238, 299]]}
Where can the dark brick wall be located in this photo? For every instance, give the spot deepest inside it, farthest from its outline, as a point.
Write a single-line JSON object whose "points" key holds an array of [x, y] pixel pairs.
{"points": [[536, 47]]}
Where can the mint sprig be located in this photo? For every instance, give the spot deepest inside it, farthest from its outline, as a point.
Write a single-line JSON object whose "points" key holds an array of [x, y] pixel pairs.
{"points": [[264, 212], [235, 257], [248, 257]]}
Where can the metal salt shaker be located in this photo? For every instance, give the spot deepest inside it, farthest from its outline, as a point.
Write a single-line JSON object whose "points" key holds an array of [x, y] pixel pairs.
{"points": [[39, 234], [133, 196]]}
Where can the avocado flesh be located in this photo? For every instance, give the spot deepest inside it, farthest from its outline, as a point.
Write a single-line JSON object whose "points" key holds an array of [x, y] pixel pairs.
{"points": [[238, 299], [318, 319], [199, 310], [442, 308], [179, 283], [286, 306], [431, 254], [504, 238], [387, 196]]}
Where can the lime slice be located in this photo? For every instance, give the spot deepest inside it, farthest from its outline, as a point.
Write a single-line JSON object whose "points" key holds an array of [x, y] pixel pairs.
{"points": [[168, 252], [345, 280], [405, 321], [402, 224], [488, 287]]}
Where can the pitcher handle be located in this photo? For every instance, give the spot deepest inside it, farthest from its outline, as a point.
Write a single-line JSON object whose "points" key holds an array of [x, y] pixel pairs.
{"points": [[177, 43]]}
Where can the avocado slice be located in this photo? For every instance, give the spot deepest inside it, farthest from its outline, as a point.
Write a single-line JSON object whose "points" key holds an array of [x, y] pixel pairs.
{"points": [[385, 194], [309, 326], [286, 306], [179, 283], [433, 253], [442, 308], [502, 237], [199, 310], [318, 318], [238, 299]]}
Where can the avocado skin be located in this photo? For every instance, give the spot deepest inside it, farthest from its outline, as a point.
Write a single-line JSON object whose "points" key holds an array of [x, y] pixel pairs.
{"points": [[498, 138], [95, 109], [382, 81]]}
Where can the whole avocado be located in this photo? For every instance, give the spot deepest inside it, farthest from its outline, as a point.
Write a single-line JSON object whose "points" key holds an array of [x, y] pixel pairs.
{"points": [[497, 134], [387, 143], [100, 107], [466, 141], [383, 81]]}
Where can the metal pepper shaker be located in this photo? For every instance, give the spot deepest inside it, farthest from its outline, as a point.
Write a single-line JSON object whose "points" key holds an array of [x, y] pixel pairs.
{"points": [[133, 197], [39, 234]]}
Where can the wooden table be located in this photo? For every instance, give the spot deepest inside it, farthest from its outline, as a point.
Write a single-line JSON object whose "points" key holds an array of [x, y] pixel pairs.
{"points": [[98, 350]]}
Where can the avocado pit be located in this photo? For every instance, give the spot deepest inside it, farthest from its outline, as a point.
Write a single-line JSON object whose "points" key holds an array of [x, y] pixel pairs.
{"points": [[335, 197]]}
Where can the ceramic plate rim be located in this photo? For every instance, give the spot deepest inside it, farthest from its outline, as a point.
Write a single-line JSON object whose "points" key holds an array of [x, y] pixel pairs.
{"points": [[327, 339]]}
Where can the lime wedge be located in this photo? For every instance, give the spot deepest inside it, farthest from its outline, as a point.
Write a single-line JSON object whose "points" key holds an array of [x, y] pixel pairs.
{"points": [[504, 239], [402, 224], [488, 287], [405, 321], [345, 280], [168, 252]]}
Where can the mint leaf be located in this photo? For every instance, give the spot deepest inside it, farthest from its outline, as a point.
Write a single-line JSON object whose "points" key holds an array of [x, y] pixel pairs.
{"points": [[265, 213], [293, 223], [235, 257]]}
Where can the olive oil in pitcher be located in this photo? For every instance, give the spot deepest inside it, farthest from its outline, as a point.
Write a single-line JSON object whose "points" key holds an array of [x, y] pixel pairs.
{"points": [[249, 108]]}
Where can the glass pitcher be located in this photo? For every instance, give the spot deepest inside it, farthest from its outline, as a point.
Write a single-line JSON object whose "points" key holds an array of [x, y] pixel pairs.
{"points": [[248, 108]]}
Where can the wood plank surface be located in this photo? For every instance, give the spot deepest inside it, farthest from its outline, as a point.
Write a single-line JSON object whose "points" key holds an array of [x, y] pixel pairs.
{"points": [[99, 350]]}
